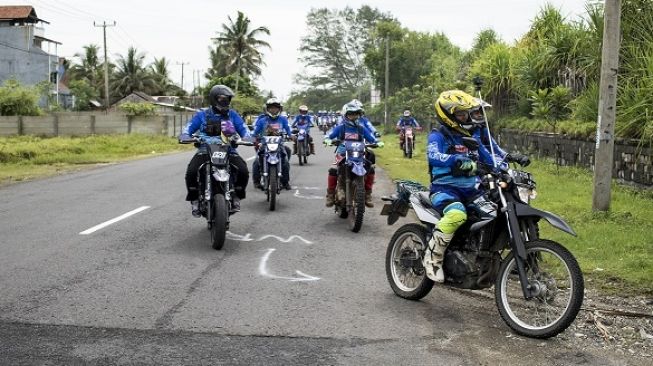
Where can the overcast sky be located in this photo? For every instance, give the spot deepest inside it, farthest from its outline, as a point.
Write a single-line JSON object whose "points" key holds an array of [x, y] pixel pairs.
{"points": [[181, 30]]}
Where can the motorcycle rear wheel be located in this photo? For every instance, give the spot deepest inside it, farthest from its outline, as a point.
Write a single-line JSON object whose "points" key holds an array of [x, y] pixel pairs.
{"points": [[220, 217], [403, 262], [554, 273]]}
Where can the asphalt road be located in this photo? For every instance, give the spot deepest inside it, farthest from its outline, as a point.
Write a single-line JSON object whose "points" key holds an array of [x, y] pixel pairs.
{"points": [[290, 287]]}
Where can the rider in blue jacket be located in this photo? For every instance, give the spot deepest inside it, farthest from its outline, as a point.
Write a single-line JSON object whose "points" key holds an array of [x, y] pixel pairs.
{"points": [[303, 121], [272, 123], [454, 180], [351, 129], [405, 121], [209, 123]]}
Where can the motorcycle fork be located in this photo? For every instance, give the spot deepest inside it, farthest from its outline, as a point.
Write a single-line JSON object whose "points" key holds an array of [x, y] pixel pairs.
{"points": [[518, 248], [208, 194]]}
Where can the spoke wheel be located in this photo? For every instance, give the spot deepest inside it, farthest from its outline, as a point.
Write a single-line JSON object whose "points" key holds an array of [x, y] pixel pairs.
{"points": [[558, 285], [403, 263]]}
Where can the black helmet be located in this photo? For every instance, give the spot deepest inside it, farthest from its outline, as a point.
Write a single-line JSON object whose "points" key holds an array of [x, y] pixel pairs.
{"points": [[217, 98]]}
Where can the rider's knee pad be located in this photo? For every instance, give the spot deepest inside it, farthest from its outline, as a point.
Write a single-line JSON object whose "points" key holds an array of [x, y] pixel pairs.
{"points": [[333, 172], [454, 216]]}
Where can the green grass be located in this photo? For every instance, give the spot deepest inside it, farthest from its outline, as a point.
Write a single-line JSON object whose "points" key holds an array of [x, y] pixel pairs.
{"points": [[614, 249], [27, 157]]}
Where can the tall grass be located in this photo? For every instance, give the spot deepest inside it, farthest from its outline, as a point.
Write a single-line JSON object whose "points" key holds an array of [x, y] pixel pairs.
{"points": [[614, 249]]}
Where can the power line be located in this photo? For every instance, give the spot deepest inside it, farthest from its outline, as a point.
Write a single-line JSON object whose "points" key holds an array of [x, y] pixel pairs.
{"points": [[104, 26]]}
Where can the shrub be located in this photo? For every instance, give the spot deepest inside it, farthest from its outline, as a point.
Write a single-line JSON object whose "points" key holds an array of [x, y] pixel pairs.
{"points": [[17, 100], [138, 109]]}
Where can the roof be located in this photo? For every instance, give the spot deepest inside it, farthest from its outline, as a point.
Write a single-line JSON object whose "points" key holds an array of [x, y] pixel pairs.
{"points": [[19, 12]]}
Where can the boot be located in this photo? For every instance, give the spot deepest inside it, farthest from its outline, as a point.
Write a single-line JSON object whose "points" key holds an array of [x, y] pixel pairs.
{"points": [[312, 147], [369, 183], [340, 190], [294, 148], [330, 197], [434, 255], [195, 208], [235, 204]]}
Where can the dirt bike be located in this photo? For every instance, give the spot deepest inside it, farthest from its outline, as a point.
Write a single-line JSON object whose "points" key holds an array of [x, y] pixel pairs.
{"points": [[215, 186], [271, 167], [303, 150], [409, 142], [538, 285], [351, 173]]}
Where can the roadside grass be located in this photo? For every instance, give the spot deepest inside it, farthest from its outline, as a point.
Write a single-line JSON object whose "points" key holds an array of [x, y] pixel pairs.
{"points": [[28, 157], [614, 249]]}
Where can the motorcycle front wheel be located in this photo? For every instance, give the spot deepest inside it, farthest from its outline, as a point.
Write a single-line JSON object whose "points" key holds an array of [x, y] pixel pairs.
{"points": [[358, 204], [273, 187], [220, 217], [558, 286], [403, 262]]}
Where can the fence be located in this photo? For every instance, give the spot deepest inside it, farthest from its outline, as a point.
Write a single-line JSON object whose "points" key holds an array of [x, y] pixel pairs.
{"points": [[81, 124], [632, 163]]}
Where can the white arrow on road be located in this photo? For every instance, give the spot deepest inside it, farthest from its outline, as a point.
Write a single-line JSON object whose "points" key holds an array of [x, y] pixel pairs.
{"points": [[263, 270]]}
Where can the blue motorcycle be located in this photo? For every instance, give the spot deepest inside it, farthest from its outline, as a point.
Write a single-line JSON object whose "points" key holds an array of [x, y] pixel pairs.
{"points": [[271, 167]]}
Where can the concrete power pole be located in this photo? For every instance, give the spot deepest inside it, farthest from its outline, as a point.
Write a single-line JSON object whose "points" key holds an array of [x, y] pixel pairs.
{"points": [[387, 84], [182, 72], [104, 26], [604, 154]]}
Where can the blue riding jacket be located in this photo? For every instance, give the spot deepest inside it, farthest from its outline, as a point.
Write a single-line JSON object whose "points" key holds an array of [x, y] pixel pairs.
{"points": [[198, 123]]}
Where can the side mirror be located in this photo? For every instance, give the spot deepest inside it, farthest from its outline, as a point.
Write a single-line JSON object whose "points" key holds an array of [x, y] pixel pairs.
{"points": [[471, 143]]}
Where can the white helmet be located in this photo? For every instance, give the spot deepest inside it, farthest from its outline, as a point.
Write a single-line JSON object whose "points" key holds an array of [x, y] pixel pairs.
{"points": [[273, 102]]}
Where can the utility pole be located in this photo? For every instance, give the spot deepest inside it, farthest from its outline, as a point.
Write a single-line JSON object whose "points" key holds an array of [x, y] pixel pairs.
{"points": [[104, 26], [387, 83], [604, 154], [182, 72]]}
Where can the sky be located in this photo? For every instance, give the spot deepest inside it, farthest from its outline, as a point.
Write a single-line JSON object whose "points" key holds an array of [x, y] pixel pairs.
{"points": [[181, 31]]}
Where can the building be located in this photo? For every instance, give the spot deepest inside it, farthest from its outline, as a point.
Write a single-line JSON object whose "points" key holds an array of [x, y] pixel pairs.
{"points": [[25, 53]]}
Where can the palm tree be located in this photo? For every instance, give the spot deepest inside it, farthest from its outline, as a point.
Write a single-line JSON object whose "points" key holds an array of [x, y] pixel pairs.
{"points": [[130, 74], [161, 75], [219, 66], [242, 46], [89, 68]]}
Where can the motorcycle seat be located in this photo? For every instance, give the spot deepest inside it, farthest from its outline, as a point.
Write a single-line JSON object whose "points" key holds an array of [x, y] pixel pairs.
{"points": [[425, 201]]}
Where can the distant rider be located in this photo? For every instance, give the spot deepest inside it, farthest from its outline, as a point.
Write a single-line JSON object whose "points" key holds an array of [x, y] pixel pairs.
{"points": [[272, 123], [303, 121], [405, 121]]}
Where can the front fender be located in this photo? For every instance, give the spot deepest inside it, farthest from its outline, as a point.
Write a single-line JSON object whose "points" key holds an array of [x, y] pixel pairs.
{"points": [[556, 221]]}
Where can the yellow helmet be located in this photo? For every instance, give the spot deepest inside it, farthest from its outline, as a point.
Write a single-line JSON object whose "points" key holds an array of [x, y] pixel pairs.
{"points": [[452, 102]]}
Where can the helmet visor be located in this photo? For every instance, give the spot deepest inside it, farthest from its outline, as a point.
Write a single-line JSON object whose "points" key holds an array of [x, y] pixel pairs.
{"points": [[222, 100]]}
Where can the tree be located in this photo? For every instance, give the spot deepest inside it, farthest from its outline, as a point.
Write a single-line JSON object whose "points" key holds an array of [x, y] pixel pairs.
{"points": [[161, 77], [89, 68], [17, 100], [241, 45], [219, 63], [334, 50], [131, 75], [83, 93]]}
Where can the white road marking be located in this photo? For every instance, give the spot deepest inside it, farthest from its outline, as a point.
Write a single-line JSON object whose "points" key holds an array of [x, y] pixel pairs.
{"points": [[263, 270], [250, 158], [307, 188], [248, 237], [299, 195], [113, 221]]}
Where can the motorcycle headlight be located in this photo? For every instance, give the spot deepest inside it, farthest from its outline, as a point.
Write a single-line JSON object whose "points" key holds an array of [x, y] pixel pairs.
{"points": [[526, 194], [273, 147]]}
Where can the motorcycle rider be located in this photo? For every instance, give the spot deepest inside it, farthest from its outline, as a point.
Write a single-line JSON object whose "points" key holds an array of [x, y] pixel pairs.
{"points": [[453, 173], [405, 121], [272, 123], [303, 120], [211, 122], [351, 129]]}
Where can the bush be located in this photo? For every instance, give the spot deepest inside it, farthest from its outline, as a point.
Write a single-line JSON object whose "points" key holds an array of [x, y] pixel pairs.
{"points": [[138, 109], [16, 100]]}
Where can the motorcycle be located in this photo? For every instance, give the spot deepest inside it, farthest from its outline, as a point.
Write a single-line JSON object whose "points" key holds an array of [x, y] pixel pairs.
{"points": [[271, 169], [538, 285], [215, 186], [409, 142], [351, 173], [303, 150]]}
